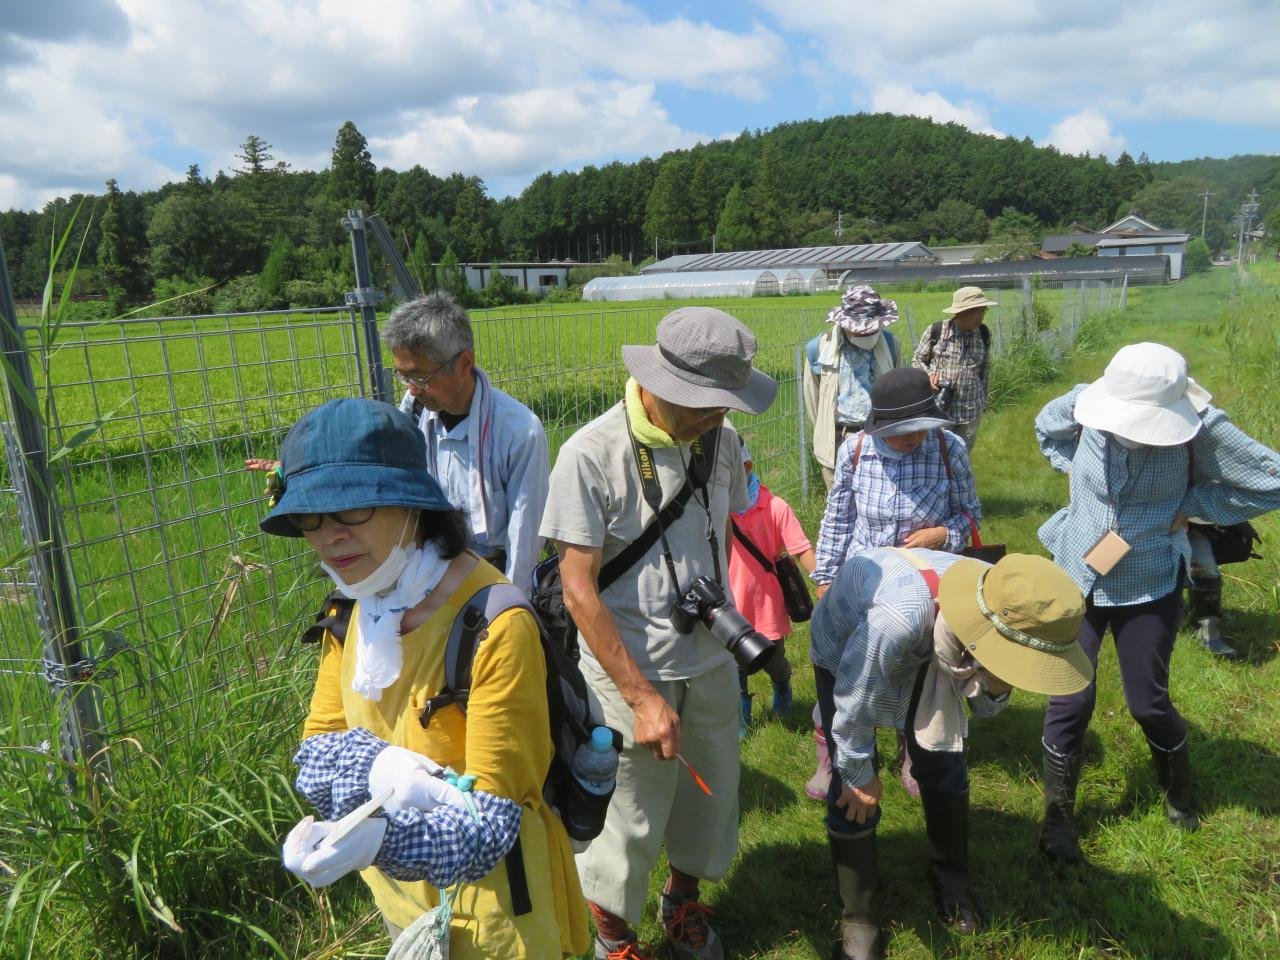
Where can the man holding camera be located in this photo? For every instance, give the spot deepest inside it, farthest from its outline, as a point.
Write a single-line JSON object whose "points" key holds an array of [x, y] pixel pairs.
{"points": [[649, 484], [955, 354]]}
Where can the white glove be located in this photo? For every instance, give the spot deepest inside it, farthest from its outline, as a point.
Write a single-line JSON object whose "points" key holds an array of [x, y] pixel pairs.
{"points": [[319, 863], [416, 780]]}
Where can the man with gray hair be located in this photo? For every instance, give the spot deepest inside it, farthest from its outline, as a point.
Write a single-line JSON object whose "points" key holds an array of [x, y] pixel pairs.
{"points": [[485, 448], [629, 550]]}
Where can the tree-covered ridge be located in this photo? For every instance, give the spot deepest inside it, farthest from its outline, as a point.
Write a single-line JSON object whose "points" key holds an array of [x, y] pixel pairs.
{"points": [[265, 235]]}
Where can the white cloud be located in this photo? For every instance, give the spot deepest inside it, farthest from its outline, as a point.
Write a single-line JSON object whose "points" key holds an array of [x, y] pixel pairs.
{"points": [[1086, 132], [552, 126], [1153, 60], [498, 88], [895, 98]]}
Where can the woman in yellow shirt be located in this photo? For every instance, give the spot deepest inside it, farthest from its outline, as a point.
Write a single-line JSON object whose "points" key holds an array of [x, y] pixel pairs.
{"points": [[355, 485]]}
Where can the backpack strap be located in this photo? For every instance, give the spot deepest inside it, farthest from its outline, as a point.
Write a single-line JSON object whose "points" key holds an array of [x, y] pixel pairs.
{"points": [[333, 617], [935, 334], [857, 453], [469, 628]]}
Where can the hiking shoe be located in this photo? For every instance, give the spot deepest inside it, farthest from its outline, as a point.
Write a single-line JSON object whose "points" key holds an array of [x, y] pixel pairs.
{"points": [[688, 932], [628, 949]]}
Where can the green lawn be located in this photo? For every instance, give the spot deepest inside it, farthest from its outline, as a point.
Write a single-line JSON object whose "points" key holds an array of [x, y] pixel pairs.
{"points": [[214, 694]]}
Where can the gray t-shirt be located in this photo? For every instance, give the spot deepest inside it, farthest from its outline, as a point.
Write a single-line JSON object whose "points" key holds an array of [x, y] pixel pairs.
{"points": [[596, 501]]}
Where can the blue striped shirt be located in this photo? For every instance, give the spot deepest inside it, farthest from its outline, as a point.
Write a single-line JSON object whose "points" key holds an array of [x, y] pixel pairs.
{"points": [[1139, 492], [442, 845], [872, 631], [887, 498]]}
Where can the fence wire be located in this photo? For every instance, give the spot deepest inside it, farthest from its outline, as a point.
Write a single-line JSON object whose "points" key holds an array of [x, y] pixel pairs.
{"points": [[201, 612]]}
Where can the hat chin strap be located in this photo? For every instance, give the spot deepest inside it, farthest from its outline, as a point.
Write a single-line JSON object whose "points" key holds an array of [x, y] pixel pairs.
{"points": [[1013, 633]]}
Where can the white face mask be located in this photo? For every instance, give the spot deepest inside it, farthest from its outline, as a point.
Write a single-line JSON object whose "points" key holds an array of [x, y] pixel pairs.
{"points": [[388, 572], [863, 343]]}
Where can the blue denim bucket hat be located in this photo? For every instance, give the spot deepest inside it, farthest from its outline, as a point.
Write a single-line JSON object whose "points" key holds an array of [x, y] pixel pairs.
{"points": [[352, 453]]}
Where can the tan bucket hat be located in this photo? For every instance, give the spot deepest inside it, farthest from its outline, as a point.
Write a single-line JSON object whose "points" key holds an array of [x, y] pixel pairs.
{"points": [[968, 298], [1019, 619]]}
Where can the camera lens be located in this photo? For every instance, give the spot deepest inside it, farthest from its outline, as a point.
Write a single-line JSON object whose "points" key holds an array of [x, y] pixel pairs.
{"points": [[751, 649]]}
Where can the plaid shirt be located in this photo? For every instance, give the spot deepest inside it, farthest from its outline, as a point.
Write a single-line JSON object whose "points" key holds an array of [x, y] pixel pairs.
{"points": [[960, 358], [1138, 493], [442, 846], [872, 631], [888, 498]]}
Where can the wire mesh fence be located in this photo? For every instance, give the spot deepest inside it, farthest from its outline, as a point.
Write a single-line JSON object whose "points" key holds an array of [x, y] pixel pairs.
{"points": [[200, 613]]}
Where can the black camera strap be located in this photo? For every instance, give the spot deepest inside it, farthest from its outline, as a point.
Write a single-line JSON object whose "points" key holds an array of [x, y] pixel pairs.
{"points": [[697, 473]]}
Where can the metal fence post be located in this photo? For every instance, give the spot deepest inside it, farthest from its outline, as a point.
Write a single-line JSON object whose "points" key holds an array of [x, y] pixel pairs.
{"points": [[363, 300], [67, 667], [1124, 294], [801, 445]]}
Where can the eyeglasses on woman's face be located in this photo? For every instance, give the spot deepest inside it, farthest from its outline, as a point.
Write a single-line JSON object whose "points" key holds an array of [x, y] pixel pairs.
{"points": [[310, 522]]}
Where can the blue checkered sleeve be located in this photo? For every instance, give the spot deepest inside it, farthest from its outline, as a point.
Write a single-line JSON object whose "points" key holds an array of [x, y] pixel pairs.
{"points": [[448, 844], [1236, 478], [333, 770], [838, 519], [1057, 431], [442, 845]]}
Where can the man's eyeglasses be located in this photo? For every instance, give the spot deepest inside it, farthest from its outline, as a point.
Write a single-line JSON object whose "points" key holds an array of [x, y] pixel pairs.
{"points": [[421, 383], [310, 522]]}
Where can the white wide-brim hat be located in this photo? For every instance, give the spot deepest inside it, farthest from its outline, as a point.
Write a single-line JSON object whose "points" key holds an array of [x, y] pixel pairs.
{"points": [[1145, 396]]}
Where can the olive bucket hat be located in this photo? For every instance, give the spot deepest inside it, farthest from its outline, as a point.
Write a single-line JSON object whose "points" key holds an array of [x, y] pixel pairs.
{"points": [[1020, 619], [352, 453]]}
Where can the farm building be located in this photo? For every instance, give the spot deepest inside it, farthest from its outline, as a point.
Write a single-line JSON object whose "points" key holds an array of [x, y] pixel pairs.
{"points": [[834, 262], [1130, 236], [536, 277], [673, 286]]}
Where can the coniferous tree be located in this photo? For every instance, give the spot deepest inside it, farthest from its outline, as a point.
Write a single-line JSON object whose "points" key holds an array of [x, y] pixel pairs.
{"points": [[736, 229], [472, 223], [351, 169], [769, 200], [450, 276], [667, 211], [122, 269]]}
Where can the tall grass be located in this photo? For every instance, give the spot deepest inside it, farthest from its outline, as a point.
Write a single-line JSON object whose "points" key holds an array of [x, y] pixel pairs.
{"points": [[180, 859]]}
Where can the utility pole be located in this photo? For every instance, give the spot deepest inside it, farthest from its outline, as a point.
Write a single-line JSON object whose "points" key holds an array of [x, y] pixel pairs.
{"points": [[1245, 219], [1205, 214], [839, 224]]}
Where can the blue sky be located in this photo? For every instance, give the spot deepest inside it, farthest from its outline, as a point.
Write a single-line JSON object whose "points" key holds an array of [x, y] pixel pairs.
{"points": [[139, 89]]}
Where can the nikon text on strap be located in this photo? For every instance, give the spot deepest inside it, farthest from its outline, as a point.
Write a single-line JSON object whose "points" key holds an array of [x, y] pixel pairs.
{"points": [[697, 473]]}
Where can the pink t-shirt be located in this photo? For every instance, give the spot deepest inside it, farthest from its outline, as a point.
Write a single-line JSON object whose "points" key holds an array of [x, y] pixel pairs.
{"points": [[772, 526]]}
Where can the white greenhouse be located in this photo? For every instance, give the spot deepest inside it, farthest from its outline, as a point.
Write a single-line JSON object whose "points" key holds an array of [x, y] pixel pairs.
{"points": [[684, 286]]}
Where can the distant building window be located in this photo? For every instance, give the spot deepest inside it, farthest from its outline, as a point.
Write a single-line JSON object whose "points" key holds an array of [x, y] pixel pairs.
{"points": [[548, 280]]}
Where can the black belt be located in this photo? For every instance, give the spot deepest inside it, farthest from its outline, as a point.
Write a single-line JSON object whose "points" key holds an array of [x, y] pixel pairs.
{"points": [[843, 430]]}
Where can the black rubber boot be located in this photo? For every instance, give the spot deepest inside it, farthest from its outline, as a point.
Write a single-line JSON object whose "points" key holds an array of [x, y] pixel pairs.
{"points": [[1173, 772], [1205, 594], [857, 877], [946, 820], [1058, 839]]}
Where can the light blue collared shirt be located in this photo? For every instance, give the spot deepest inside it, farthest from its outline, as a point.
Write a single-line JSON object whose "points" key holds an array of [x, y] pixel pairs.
{"points": [[515, 476], [1139, 492]]}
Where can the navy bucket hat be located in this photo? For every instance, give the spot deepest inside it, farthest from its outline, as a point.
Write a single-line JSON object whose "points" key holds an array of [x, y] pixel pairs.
{"points": [[352, 453]]}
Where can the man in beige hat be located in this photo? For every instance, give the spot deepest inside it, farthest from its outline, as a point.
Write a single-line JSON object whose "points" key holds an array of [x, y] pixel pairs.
{"points": [[903, 639], [956, 354], [668, 684]]}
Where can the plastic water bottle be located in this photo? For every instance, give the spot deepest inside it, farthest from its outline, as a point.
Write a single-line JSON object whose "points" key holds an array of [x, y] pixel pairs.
{"points": [[595, 763]]}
